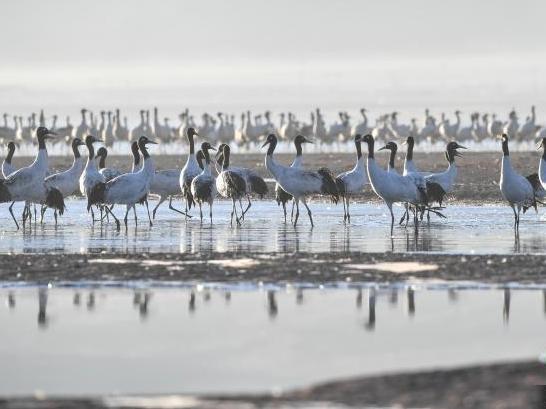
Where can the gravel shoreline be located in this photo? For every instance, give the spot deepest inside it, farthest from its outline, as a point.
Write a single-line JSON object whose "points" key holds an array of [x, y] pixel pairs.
{"points": [[317, 268]]}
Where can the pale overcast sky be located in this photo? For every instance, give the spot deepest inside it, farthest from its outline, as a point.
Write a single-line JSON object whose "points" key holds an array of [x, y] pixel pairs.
{"points": [[286, 30], [283, 54]]}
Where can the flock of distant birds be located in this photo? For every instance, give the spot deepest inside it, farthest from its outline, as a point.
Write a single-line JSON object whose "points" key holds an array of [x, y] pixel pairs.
{"points": [[110, 126], [205, 176]]}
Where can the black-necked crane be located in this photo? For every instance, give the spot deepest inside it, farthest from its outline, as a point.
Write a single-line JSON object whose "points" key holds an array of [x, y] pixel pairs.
{"points": [[517, 190], [298, 182], [28, 183], [231, 185], [7, 166], [190, 170], [255, 184], [127, 189], [281, 196], [352, 182], [107, 173], [68, 181], [90, 175], [203, 186], [392, 187]]}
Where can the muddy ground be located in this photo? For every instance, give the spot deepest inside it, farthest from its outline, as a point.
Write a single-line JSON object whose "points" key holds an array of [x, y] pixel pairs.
{"points": [[274, 268], [477, 181], [500, 386]]}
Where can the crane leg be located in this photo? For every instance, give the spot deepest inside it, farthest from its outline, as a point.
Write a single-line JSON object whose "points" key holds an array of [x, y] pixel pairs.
{"points": [[55, 215], [126, 216], [404, 215], [42, 212], [348, 213], [297, 211], [200, 212], [210, 212], [389, 205], [241, 207], [284, 210], [308, 212], [148, 211], [344, 210], [12, 215], [161, 200], [232, 211], [515, 218], [292, 213], [118, 225], [176, 210], [248, 207]]}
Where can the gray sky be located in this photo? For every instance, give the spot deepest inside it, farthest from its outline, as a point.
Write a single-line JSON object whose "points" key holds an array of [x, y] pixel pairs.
{"points": [[285, 30], [233, 55]]}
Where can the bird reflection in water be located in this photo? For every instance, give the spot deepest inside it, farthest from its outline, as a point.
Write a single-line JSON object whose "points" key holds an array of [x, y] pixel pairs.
{"points": [[370, 324], [42, 308], [136, 298], [191, 303], [299, 296], [143, 307], [91, 301], [359, 298], [452, 295], [272, 307], [11, 300], [411, 301], [393, 297], [76, 300], [506, 305]]}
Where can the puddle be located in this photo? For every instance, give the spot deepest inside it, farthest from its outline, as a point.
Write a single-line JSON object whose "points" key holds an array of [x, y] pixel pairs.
{"points": [[230, 339], [468, 229], [394, 267]]}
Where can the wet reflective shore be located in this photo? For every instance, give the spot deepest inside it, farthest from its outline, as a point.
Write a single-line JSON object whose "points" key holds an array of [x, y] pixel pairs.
{"points": [[467, 230], [194, 339]]}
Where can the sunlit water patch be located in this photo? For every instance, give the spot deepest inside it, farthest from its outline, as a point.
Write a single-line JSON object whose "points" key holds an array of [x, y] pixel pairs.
{"points": [[467, 229], [197, 339]]}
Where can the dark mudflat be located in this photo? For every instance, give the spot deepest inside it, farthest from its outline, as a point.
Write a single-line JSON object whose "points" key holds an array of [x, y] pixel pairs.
{"points": [[500, 386], [274, 268]]}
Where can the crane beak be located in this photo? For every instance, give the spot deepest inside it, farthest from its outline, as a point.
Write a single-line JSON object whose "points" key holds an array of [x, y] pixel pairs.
{"points": [[383, 148], [152, 142], [213, 148], [50, 135], [305, 140], [461, 147], [265, 144]]}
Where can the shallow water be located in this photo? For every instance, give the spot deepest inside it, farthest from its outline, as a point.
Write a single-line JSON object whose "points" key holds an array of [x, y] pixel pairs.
{"points": [[467, 229], [150, 340]]}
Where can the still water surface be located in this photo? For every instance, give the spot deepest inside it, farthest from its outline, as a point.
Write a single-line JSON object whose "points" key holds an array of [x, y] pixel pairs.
{"points": [[151, 340], [467, 229]]}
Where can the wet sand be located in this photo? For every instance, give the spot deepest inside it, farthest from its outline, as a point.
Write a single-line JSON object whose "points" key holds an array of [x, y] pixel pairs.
{"points": [[477, 180], [280, 268], [500, 386]]}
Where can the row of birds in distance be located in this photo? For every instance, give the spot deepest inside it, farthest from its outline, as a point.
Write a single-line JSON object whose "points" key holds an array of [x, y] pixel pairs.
{"points": [[206, 175], [221, 128]]}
